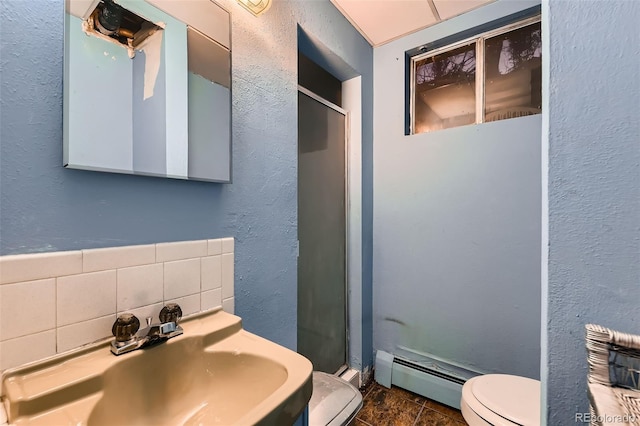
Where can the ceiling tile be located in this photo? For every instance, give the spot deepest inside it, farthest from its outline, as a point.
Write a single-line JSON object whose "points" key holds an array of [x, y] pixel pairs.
{"points": [[383, 20], [450, 8]]}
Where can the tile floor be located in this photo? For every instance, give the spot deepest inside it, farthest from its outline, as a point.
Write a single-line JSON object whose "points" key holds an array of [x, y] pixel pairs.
{"points": [[398, 407]]}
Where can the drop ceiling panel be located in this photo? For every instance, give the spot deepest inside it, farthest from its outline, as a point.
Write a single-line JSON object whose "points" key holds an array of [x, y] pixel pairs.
{"points": [[384, 20], [381, 21], [450, 8], [81, 8]]}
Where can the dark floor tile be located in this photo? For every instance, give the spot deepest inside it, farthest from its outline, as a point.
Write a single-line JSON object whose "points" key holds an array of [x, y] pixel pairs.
{"points": [[403, 393], [430, 417], [382, 407], [445, 409]]}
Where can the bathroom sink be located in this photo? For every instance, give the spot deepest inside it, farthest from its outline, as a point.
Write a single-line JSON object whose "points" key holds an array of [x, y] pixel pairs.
{"points": [[215, 373]]}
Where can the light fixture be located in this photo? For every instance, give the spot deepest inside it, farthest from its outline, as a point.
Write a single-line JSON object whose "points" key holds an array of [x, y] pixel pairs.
{"points": [[109, 18], [257, 7], [113, 23]]}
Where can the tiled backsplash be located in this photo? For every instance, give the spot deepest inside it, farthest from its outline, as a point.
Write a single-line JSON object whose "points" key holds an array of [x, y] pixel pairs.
{"points": [[54, 302]]}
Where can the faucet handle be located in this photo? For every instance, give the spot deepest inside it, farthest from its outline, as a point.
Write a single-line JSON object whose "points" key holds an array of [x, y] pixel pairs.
{"points": [[171, 313], [125, 327]]}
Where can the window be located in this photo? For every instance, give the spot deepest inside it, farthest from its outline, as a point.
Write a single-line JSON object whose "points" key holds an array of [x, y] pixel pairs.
{"points": [[495, 75]]}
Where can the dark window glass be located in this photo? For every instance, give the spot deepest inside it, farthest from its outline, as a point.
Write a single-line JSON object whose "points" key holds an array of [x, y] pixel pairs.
{"points": [[445, 94], [513, 74]]}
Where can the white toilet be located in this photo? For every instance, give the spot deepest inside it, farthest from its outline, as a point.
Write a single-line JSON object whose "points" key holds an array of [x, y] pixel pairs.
{"points": [[501, 400]]}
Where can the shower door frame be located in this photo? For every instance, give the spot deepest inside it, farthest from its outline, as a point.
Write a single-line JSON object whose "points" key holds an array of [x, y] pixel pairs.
{"points": [[347, 145]]}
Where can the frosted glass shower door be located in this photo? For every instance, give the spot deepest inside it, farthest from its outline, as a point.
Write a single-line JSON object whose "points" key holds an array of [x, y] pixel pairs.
{"points": [[322, 326]]}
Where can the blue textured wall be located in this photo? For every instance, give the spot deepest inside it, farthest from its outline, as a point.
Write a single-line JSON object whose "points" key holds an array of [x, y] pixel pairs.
{"points": [[457, 226], [45, 207], [592, 87]]}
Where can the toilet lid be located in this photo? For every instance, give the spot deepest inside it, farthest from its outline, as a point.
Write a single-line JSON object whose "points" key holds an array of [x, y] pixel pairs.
{"points": [[517, 399], [334, 401]]}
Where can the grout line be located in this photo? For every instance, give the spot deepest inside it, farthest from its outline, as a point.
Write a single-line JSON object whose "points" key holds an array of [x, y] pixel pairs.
{"points": [[366, 423], [200, 279], [407, 398], [201, 283], [28, 335], [446, 414], [55, 300], [116, 311], [376, 385], [163, 283], [443, 414], [418, 416]]}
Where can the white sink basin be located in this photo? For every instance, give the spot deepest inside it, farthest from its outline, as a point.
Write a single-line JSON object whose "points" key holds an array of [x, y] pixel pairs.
{"points": [[215, 373]]}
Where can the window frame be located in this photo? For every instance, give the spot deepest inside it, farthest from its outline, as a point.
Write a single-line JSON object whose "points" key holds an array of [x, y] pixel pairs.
{"points": [[477, 36]]}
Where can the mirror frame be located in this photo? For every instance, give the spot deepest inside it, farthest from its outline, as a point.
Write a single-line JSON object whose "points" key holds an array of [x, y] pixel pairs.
{"points": [[91, 138]]}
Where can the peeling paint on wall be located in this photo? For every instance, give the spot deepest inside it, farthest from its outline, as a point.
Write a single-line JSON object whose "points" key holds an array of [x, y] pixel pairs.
{"points": [[152, 48]]}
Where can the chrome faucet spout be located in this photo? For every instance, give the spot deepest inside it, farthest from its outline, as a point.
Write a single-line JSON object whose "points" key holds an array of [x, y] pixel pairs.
{"points": [[128, 337]]}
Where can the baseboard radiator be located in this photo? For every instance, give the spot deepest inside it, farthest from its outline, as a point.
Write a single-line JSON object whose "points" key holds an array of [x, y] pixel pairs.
{"points": [[429, 379]]}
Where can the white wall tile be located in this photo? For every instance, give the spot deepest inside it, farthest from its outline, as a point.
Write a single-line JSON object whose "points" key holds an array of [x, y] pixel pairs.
{"points": [[215, 247], [30, 267], [140, 286], [117, 257], [48, 304], [86, 296], [211, 299], [189, 304], [27, 307], [75, 335], [181, 278], [25, 349], [166, 252], [228, 245], [228, 305], [227, 276], [211, 272], [144, 312]]}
